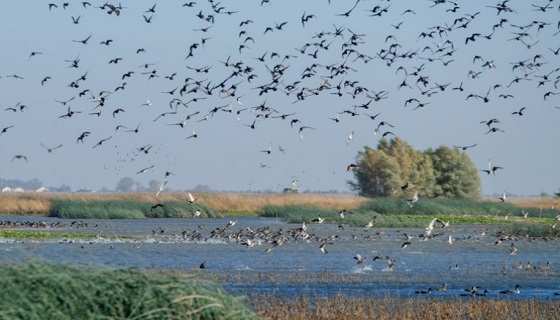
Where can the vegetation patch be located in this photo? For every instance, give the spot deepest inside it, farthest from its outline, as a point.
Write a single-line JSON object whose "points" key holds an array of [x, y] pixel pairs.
{"points": [[125, 209], [41, 291], [18, 234], [298, 213], [386, 307], [395, 212]]}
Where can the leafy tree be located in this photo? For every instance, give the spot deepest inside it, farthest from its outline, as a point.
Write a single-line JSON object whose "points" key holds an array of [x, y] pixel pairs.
{"points": [[377, 173], [442, 172], [456, 175]]}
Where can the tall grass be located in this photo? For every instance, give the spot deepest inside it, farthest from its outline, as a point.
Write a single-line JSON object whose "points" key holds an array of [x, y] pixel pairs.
{"points": [[227, 203], [40, 291], [395, 212], [346, 307], [124, 209]]}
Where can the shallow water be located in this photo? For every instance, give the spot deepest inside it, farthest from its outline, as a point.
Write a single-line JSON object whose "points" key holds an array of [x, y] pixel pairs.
{"points": [[299, 267]]}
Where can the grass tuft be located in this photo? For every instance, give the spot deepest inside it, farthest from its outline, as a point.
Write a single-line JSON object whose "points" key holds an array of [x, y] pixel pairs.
{"points": [[41, 291]]}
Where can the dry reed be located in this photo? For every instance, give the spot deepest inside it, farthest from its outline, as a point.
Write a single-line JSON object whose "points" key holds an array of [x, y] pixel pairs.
{"points": [[346, 307], [39, 204]]}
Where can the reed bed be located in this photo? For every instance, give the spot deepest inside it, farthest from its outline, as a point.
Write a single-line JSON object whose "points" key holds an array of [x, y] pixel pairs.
{"points": [[41, 291], [227, 203], [125, 209], [345, 307]]}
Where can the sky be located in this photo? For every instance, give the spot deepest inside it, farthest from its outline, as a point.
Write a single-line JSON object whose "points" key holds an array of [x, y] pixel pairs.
{"points": [[262, 54]]}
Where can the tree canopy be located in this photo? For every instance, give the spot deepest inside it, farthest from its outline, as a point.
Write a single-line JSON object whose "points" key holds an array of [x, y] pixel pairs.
{"points": [[395, 168]]}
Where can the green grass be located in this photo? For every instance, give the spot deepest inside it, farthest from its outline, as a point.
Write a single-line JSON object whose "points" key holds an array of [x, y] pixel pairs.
{"points": [[395, 212], [41, 291], [16, 234], [125, 209], [532, 230], [298, 213]]}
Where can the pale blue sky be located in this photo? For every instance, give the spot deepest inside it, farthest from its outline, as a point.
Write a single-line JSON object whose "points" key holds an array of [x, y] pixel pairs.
{"points": [[227, 155]]}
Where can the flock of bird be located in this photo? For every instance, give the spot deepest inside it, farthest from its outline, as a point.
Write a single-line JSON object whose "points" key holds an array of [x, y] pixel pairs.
{"points": [[314, 73]]}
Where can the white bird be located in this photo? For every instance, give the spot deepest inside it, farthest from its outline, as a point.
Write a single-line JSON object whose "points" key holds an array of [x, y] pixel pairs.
{"points": [[319, 219], [450, 240], [350, 137], [360, 259], [503, 198], [413, 200], [513, 250], [190, 198], [430, 227], [161, 187], [525, 214], [197, 213]]}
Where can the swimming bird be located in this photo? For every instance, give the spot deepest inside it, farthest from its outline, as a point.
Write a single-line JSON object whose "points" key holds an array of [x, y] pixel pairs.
{"points": [[511, 291], [429, 291]]}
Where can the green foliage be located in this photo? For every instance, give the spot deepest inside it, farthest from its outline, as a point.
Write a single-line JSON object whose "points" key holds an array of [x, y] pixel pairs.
{"points": [[456, 175], [125, 209], [298, 213], [532, 230], [442, 172], [14, 234], [40, 291], [395, 212]]}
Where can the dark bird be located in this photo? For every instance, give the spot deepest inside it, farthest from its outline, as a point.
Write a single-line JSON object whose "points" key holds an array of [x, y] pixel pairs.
{"points": [[155, 206], [145, 169], [18, 157], [5, 129], [520, 112], [83, 41], [148, 19], [82, 136], [51, 149], [465, 147], [101, 142]]}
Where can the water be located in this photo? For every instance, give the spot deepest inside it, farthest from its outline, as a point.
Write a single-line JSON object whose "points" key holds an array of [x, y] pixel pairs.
{"points": [[299, 267]]}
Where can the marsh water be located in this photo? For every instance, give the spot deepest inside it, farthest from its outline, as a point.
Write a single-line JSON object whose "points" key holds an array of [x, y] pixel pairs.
{"points": [[298, 266]]}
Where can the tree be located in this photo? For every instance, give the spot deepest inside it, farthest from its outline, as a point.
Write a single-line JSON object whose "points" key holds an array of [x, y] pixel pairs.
{"points": [[442, 172], [456, 175], [125, 184], [377, 174]]}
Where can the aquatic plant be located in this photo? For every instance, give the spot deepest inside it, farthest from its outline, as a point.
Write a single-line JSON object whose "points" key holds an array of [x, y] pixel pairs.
{"points": [[43, 291]]}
